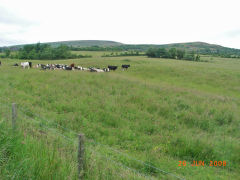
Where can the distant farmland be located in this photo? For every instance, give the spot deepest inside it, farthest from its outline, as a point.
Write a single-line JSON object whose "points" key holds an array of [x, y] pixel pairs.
{"points": [[159, 111]]}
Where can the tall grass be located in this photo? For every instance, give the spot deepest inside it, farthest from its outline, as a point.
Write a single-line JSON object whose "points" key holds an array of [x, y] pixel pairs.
{"points": [[159, 111]]}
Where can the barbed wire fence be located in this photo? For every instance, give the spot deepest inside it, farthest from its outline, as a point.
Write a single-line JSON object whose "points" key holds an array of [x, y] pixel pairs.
{"points": [[14, 115]]}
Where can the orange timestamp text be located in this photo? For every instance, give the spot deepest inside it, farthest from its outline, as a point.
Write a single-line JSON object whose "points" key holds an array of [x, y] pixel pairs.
{"points": [[202, 163]]}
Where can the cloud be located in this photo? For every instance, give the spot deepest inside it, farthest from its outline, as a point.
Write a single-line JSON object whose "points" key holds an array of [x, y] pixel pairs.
{"points": [[233, 34], [9, 42], [7, 17], [12, 26], [135, 21]]}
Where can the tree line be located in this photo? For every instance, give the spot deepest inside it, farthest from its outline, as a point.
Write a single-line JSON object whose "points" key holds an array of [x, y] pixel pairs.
{"points": [[125, 53], [110, 48], [42, 51], [46, 51], [172, 53]]}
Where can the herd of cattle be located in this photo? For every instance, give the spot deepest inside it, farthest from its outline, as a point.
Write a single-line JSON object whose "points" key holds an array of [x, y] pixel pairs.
{"points": [[69, 67]]}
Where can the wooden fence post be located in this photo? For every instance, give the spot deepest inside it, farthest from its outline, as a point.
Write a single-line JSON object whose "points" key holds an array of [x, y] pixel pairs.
{"points": [[14, 115], [81, 156]]}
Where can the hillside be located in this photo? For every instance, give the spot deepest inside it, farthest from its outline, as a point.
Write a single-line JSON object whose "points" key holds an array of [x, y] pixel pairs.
{"points": [[87, 43], [199, 47], [203, 48], [76, 43]]}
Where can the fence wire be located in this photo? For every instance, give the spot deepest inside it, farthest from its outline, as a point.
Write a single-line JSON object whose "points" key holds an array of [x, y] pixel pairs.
{"points": [[98, 153], [122, 165], [24, 113]]}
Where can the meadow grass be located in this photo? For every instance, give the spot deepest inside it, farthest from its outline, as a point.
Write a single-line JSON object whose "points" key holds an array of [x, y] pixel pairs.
{"points": [[95, 54], [160, 111]]}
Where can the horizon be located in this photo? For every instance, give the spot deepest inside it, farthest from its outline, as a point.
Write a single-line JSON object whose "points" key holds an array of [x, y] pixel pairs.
{"points": [[116, 42], [128, 22]]}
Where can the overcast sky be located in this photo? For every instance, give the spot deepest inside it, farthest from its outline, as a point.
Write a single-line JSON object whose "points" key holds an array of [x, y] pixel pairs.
{"points": [[126, 21]]}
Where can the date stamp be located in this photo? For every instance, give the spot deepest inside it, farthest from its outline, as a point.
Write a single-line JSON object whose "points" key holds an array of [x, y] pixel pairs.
{"points": [[202, 163]]}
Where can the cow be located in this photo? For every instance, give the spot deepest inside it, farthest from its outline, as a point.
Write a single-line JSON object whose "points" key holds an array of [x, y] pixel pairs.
{"points": [[106, 69], [44, 67], [72, 65], [86, 69], [68, 68], [79, 68], [26, 64], [112, 68], [99, 70], [0, 63], [125, 66], [16, 64], [96, 70], [30, 64], [59, 66], [52, 66]]}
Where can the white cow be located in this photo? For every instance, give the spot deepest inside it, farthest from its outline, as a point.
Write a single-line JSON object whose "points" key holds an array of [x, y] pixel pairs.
{"points": [[99, 70], [96, 70], [25, 64], [106, 70], [85, 69], [79, 68]]}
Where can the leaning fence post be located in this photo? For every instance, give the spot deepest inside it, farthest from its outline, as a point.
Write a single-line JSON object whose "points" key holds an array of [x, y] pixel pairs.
{"points": [[14, 115], [81, 156]]}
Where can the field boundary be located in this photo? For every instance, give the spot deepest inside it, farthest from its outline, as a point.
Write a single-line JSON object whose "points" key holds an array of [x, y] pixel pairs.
{"points": [[79, 138]]}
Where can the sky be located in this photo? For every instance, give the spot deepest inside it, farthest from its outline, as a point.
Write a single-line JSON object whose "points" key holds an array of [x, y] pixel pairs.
{"points": [[126, 21]]}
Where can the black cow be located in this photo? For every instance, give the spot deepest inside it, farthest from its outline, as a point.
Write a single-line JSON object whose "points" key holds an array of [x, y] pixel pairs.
{"points": [[44, 67], [0, 63], [59, 66], [16, 64], [125, 66], [68, 68], [112, 68], [30, 64]]}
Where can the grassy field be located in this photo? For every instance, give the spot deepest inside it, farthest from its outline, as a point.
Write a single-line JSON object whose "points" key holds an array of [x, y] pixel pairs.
{"points": [[94, 54], [160, 111]]}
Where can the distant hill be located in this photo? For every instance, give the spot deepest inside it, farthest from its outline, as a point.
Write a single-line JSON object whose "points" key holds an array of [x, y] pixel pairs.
{"points": [[199, 47], [76, 43], [87, 43], [203, 48]]}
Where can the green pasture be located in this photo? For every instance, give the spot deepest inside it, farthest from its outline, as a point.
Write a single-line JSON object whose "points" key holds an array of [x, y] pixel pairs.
{"points": [[94, 54], [159, 111]]}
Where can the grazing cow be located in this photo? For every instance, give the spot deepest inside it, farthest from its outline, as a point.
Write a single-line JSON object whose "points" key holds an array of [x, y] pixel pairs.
{"points": [[25, 64], [30, 64], [96, 70], [99, 70], [125, 66], [59, 66], [85, 69], [68, 68], [16, 64], [72, 65], [52, 66], [44, 67], [106, 69], [37, 66], [79, 68], [112, 68]]}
